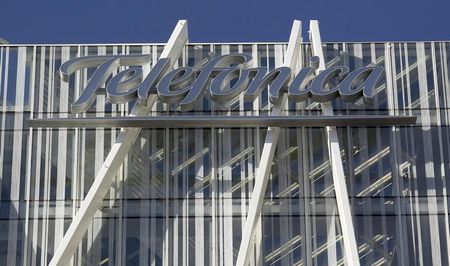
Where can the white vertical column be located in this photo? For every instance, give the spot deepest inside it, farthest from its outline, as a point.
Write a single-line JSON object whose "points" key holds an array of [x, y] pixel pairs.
{"points": [[3, 81], [3, 116], [226, 194], [48, 106], [254, 137], [174, 191], [430, 173], [214, 191], [145, 178], [392, 101], [154, 183], [28, 228], [214, 201], [62, 153], [342, 200], [199, 203], [115, 158], [439, 119], [96, 225], [166, 219], [268, 151], [39, 148], [16, 155], [77, 152]]}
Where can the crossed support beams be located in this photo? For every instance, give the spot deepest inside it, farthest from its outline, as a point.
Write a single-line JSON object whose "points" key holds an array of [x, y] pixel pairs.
{"points": [[127, 137], [268, 151], [111, 165], [334, 153], [270, 143]]}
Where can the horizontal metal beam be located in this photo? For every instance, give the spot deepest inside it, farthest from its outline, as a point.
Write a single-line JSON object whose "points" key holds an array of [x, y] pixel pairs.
{"points": [[224, 121]]}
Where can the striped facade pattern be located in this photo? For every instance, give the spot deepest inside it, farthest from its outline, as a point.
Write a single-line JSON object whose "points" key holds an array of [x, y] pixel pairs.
{"points": [[182, 195]]}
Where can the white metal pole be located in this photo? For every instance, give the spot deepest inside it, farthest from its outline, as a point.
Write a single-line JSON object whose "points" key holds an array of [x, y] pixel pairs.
{"points": [[265, 164], [342, 200], [111, 165]]}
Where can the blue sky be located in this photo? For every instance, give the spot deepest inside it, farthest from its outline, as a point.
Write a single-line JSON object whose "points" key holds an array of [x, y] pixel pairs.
{"points": [[112, 21]]}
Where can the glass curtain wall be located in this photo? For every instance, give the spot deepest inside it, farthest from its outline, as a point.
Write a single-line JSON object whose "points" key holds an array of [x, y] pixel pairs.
{"points": [[182, 195]]}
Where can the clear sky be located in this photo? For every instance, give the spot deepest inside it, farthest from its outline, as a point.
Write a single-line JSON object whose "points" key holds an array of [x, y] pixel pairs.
{"points": [[113, 21]]}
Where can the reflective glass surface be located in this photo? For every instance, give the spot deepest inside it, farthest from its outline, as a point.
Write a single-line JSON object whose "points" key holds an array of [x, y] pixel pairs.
{"points": [[182, 195]]}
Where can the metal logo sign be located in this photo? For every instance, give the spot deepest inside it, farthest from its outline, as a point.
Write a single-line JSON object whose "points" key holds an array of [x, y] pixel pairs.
{"points": [[224, 78]]}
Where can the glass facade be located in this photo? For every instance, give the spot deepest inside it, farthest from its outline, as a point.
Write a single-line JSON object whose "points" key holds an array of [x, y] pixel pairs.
{"points": [[181, 196]]}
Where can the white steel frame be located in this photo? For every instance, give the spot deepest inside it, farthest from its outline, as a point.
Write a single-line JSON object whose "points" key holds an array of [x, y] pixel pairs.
{"points": [[111, 165], [334, 151], [268, 151], [127, 137]]}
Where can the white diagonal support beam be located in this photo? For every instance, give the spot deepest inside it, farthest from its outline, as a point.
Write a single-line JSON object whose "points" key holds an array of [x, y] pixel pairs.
{"points": [[340, 188], [114, 160], [268, 151]]}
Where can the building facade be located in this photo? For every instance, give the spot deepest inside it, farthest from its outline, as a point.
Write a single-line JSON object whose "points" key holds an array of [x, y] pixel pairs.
{"points": [[182, 195]]}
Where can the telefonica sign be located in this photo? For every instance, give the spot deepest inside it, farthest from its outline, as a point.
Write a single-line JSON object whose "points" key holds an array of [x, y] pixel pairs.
{"points": [[224, 78]]}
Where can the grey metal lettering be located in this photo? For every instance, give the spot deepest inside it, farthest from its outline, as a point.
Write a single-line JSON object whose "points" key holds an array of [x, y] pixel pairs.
{"points": [[176, 84], [366, 78], [123, 86], [325, 78], [221, 94], [298, 91], [149, 84], [71, 66], [277, 79], [224, 61], [226, 76], [217, 89], [106, 66], [91, 91], [253, 91], [279, 84]]}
